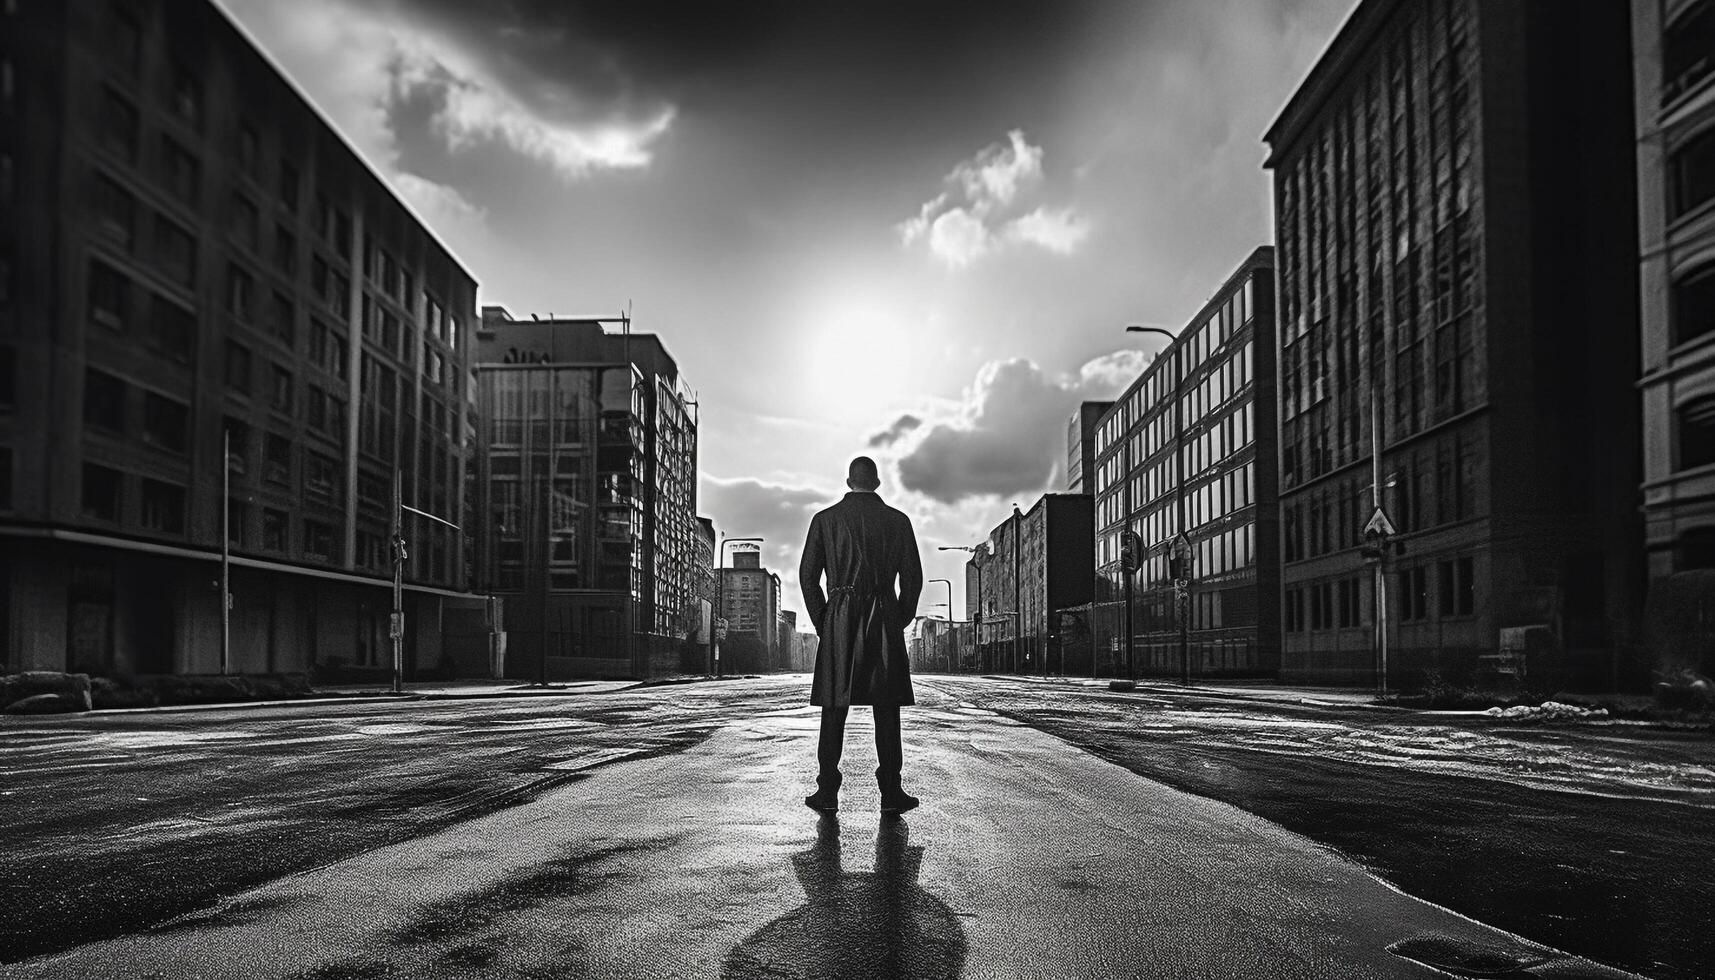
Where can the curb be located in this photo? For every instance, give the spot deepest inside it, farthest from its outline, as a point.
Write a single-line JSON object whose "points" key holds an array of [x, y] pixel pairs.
{"points": [[380, 697]]}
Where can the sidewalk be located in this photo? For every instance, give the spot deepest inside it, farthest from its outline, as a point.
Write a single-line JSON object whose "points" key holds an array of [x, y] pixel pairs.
{"points": [[1028, 858], [1249, 690]]}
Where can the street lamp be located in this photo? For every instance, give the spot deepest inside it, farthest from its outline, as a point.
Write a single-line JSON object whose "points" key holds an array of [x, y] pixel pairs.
{"points": [[396, 624], [720, 595], [949, 584], [979, 557], [1181, 545]]}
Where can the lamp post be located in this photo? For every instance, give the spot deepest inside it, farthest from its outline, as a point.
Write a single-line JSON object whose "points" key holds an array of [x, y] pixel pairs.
{"points": [[1181, 580], [979, 557], [1018, 616], [949, 584], [720, 592]]}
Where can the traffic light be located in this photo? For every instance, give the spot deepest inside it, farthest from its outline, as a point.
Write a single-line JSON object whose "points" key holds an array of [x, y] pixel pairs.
{"points": [[1374, 546], [400, 555]]}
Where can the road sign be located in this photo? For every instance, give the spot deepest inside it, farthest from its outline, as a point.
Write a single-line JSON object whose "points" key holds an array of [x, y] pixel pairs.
{"points": [[1131, 550], [1379, 524]]}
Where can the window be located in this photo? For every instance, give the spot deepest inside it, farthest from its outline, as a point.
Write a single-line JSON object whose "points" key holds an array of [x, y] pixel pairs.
{"points": [[175, 251], [321, 478], [249, 149], [1691, 174], [318, 540], [237, 367], [8, 378], [115, 212], [1413, 595], [1696, 431], [1350, 610], [5, 478], [101, 492], [1693, 305], [273, 529], [237, 519], [237, 444], [277, 459], [240, 292], [288, 187], [109, 295], [1457, 593], [244, 221], [118, 124], [1687, 51], [285, 251], [280, 390], [282, 319], [185, 97], [180, 170], [166, 423], [163, 507], [172, 329], [122, 39]]}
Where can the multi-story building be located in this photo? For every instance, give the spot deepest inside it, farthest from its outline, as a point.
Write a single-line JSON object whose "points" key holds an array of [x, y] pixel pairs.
{"points": [[584, 497], [704, 580], [1457, 256], [750, 601], [785, 637], [1080, 437], [1034, 564], [191, 256], [1675, 110], [1185, 460]]}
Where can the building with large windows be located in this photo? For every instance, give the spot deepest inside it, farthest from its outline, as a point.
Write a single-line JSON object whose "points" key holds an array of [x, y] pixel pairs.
{"points": [[192, 257], [1457, 256], [1675, 79], [1185, 460], [750, 602], [584, 498]]}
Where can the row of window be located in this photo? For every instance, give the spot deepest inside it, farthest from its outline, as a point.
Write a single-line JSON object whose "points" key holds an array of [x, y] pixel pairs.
{"points": [[1448, 588]]}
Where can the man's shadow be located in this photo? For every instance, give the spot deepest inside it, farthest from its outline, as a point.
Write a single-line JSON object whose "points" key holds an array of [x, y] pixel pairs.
{"points": [[857, 923]]}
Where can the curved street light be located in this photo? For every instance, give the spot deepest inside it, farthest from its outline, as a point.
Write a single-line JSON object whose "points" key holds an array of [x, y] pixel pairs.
{"points": [[1182, 607], [720, 595]]}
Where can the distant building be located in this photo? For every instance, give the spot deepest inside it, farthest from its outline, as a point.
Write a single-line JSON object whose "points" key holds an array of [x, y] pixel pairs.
{"points": [[584, 504], [1033, 565], [1080, 437], [750, 601], [704, 579], [1201, 418], [1458, 252], [787, 636], [190, 252]]}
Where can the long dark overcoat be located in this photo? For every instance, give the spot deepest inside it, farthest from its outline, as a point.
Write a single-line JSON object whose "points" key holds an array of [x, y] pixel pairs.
{"points": [[864, 546]]}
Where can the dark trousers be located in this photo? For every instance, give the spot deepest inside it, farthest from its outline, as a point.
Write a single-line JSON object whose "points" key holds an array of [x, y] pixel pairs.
{"points": [[888, 751]]}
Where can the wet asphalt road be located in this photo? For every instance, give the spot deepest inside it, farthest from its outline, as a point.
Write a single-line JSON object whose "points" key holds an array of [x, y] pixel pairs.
{"points": [[1591, 839]]}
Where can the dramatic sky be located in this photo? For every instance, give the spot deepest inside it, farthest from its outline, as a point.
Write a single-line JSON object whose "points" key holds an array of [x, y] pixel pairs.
{"points": [[908, 229]]}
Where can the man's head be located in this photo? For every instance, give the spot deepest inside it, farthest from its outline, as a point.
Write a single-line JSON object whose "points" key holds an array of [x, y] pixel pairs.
{"points": [[862, 475]]}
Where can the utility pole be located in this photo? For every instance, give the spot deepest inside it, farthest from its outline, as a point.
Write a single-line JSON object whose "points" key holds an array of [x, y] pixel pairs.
{"points": [[396, 623], [225, 549]]}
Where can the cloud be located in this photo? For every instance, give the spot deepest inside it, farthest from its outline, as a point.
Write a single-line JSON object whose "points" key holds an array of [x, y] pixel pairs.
{"points": [[486, 82], [895, 432], [778, 513], [1008, 436], [1058, 230], [979, 211]]}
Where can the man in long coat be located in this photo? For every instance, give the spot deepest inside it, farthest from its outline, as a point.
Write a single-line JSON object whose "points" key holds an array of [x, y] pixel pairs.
{"points": [[864, 546]]}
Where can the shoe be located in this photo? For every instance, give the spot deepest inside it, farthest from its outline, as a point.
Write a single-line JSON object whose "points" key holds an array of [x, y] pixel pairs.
{"points": [[897, 802], [823, 801]]}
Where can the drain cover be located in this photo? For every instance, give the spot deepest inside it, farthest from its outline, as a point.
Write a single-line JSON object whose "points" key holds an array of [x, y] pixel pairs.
{"points": [[1468, 958]]}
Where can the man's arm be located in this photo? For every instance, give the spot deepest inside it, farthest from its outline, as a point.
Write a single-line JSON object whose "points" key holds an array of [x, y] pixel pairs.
{"points": [[910, 573], [810, 569]]}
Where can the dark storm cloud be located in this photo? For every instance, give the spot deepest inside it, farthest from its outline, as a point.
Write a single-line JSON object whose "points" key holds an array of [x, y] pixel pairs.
{"points": [[636, 52], [892, 434]]}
